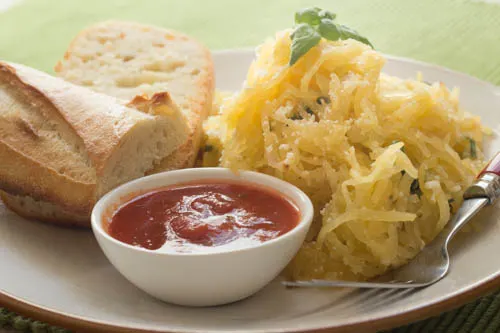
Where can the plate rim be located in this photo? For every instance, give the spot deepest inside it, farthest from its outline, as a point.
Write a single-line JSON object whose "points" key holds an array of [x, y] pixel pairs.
{"points": [[79, 323]]}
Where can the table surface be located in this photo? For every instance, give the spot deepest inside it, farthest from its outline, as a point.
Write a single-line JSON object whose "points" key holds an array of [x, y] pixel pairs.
{"points": [[462, 35]]}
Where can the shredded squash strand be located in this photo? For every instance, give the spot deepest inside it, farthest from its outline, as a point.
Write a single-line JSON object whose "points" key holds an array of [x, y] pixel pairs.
{"points": [[382, 158]]}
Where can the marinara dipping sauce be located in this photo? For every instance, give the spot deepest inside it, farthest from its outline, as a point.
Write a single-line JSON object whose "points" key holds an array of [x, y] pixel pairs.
{"points": [[203, 215]]}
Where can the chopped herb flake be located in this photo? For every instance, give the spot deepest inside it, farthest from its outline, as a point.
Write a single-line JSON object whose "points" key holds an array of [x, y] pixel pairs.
{"points": [[473, 148], [296, 116], [415, 188], [208, 148]]}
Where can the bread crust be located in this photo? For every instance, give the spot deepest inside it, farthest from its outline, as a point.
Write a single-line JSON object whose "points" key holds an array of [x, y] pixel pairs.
{"points": [[43, 211], [19, 173]]}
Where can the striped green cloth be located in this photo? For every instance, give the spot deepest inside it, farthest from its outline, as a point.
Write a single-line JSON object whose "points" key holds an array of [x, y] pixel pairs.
{"points": [[459, 34]]}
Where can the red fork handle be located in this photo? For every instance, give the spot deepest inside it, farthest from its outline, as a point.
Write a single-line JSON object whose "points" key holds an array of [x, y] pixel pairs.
{"points": [[492, 167], [487, 184]]}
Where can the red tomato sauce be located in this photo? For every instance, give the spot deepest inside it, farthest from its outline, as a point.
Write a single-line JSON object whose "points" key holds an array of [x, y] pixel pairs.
{"points": [[211, 213]]}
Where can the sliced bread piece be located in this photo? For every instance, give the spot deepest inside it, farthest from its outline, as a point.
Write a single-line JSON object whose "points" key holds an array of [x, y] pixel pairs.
{"points": [[66, 145], [125, 60]]}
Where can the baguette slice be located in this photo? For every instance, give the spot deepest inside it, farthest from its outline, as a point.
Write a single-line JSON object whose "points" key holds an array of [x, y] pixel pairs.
{"points": [[66, 146], [125, 60], [132, 62]]}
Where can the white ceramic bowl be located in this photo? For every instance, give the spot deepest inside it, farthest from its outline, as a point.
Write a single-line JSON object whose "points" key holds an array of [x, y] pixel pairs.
{"points": [[201, 279]]}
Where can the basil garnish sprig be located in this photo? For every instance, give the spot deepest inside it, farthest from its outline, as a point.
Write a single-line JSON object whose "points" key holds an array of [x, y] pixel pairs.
{"points": [[314, 23]]}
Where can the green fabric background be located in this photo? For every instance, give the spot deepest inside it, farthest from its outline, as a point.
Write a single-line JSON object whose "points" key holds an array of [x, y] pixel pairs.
{"points": [[459, 34]]}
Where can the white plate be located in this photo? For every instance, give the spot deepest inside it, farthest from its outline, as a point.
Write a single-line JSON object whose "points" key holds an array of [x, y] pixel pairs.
{"points": [[61, 276]]}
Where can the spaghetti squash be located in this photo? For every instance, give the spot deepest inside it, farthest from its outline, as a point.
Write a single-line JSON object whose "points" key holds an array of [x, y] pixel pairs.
{"points": [[385, 160]]}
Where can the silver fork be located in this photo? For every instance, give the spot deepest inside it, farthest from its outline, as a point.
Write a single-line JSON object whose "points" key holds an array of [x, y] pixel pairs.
{"points": [[433, 262]]}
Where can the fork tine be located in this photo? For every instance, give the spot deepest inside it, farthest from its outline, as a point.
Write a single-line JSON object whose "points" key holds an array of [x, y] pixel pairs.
{"points": [[351, 284]]}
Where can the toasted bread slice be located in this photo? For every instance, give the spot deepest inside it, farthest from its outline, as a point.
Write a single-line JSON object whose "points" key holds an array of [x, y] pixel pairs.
{"points": [[66, 145], [125, 60]]}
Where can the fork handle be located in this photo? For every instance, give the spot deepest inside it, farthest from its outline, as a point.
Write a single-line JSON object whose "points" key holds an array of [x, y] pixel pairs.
{"points": [[484, 191], [492, 167], [487, 184]]}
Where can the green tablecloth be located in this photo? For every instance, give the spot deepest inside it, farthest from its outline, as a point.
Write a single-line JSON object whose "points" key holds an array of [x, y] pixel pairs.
{"points": [[459, 34]]}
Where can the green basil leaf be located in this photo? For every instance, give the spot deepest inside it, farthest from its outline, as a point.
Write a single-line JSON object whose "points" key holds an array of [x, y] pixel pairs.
{"points": [[313, 16], [303, 38], [325, 14], [332, 31], [346, 33], [308, 15], [329, 30]]}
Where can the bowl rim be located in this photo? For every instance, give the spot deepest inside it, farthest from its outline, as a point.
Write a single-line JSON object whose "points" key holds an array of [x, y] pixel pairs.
{"points": [[300, 200]]}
